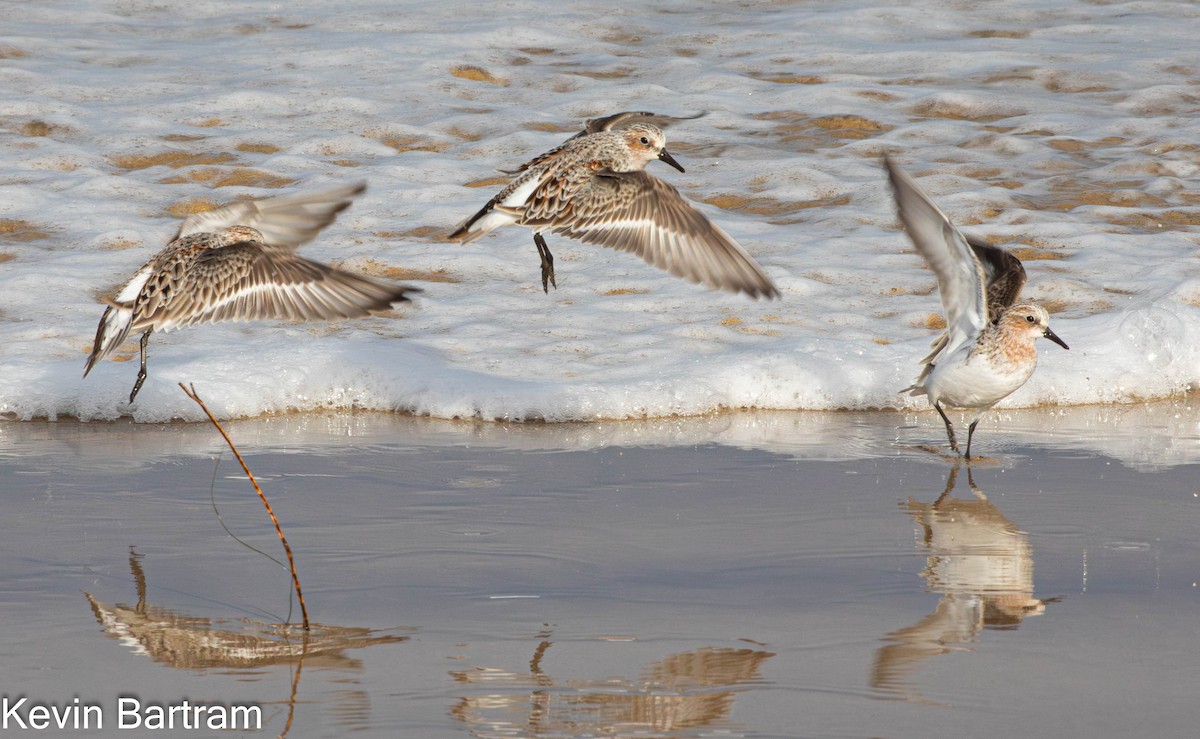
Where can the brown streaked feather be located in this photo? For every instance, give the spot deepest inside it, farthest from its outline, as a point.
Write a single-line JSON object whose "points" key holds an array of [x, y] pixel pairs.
{"points": [[641, 214], [541, 158], [251, 281]]}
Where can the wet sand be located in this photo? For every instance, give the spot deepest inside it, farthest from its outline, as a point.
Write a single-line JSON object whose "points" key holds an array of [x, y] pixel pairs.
{"points": [[750, 574]]}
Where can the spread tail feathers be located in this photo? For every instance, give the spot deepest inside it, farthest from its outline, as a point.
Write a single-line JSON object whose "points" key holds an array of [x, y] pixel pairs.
{"points": [[487, 219], [114, 327]]}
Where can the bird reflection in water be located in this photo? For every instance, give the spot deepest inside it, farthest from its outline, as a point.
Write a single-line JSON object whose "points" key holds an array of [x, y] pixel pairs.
{"points": [[681, 691], [188, 642], [982, 565]]}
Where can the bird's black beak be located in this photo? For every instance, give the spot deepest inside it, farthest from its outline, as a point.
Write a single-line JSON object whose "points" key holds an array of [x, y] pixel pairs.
{"points": [[1054, 337], [663, 155]]}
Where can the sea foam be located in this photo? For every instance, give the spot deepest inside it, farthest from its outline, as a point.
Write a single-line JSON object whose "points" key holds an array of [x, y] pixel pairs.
{"points": [[1056, 132]]}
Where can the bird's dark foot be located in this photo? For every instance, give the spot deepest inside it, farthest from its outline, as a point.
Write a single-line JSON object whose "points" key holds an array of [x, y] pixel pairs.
{"points": [[142, 369], [547, 263], [137, 385]]}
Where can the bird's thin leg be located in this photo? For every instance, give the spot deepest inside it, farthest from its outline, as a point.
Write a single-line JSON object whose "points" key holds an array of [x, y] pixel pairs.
{"points": [[141, 372], [949, 428], [970, 433], [547, 263]]}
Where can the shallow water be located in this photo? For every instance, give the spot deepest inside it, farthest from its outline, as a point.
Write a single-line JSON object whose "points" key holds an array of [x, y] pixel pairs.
{"points": [[757, 575]]}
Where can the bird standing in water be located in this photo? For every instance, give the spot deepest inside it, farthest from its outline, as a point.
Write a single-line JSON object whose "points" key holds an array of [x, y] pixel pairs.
{"points": [[987, 351]]}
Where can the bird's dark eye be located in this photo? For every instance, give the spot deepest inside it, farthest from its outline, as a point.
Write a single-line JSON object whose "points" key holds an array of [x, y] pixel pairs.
{"points": [[645, 141], [1031, 319]]}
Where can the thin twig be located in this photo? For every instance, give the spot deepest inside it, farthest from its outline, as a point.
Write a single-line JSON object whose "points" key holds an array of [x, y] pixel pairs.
{"points": [[278, 529]]}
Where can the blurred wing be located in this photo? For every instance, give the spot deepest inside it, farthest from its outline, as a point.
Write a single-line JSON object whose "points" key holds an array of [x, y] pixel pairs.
{"points": [[959, 274], [286, 221], [638, 213], [1004, 274], [250, 281], [630, 117]]}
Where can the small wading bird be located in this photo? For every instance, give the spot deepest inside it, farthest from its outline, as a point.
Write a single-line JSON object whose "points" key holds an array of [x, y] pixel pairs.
{"points": [[239, 263], [988, 350], [594, 188]]}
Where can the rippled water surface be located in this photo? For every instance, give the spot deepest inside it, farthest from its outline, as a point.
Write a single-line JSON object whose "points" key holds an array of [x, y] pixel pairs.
{"points": [[1063, 131], [785, 575]]}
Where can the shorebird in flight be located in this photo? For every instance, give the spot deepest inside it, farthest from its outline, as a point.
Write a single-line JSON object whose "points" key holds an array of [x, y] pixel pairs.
{"points": [[594, 188], [239, 263]]}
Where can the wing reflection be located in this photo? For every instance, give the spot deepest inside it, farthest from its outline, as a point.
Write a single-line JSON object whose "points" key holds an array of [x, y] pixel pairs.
{"points": [[190, 642], [681, 691], [982, 565], [178, 640]]}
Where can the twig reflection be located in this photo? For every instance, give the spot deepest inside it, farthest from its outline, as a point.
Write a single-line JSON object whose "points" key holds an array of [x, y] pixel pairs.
{"points": [[187, 642]]}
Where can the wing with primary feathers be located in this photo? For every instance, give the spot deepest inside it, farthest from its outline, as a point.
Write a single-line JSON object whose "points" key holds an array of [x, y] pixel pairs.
{"points": [[1005, 276], [638, 213], [286, 221], [251, 281], [960, 275]]}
